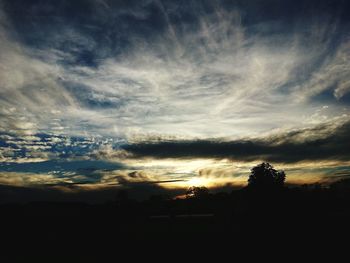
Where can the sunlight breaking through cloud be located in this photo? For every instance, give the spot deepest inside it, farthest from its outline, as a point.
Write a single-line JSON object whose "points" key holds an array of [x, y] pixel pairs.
{"points": [[172, 91]]}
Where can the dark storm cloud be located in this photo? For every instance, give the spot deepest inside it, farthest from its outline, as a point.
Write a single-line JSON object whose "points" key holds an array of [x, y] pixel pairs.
{"points": [[323, 142]]}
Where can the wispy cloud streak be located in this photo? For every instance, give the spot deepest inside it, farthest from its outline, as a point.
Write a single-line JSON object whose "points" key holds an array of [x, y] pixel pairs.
{"points": [[210, 70]]}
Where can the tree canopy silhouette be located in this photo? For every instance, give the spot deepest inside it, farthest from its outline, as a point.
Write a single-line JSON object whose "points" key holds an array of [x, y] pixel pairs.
{"points": [[265, 176]]}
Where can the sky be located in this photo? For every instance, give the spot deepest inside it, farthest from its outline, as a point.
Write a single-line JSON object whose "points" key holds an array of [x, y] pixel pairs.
{"points": [[155, 96]]}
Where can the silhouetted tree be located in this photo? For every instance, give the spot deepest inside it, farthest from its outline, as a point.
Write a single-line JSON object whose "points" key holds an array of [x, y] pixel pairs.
{"points": [[197, 192], [265, 176]]}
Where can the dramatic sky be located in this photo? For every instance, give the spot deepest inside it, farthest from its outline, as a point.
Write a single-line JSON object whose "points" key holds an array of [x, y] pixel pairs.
{"points": [[156, 95]]}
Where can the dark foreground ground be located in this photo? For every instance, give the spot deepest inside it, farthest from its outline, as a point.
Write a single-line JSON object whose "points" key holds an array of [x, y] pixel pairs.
{"points": [[288, 218]]}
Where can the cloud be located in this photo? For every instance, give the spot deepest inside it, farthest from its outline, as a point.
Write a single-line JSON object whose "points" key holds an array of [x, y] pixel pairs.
{"points": [[29, 90], [163, 69], [17, 148], [138, 83], [333, 74], [132, 177], [323, 142], [19, 179], [106, 152]]}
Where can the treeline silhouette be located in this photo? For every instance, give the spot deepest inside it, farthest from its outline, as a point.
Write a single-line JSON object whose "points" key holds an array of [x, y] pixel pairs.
{"points": [[265, 207]]}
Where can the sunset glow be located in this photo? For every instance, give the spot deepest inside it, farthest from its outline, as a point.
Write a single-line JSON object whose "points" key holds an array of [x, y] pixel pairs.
{"points": [[168, 95]]}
